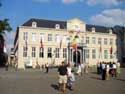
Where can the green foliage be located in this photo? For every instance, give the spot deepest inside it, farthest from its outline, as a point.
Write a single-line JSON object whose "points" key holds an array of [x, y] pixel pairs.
{"points": [[4, 26]]}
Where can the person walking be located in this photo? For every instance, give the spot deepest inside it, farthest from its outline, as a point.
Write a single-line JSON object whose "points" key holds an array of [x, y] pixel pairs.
{"points": [[103, 71], [107, 71], [47, 67], [62, 75]]}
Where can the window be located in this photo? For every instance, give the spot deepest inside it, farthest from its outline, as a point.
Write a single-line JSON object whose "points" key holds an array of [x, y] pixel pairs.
{"points": [[57, 53], [41, 52], [111, 41], [105, 54], [99, 41], [93, 40], [57, 38], [57, 26], [49, 37], [64, 52], [87, 53], [76, 27], [87, 40], [33, 51], [34, 37], [105, 41], [25, 35], [34, 24], [24, 52], [64, 38], [41, 37], [49, 52], [93, 53]]}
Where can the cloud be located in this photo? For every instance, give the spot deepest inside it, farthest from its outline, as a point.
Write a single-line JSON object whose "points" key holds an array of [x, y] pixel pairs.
{"points": [[71, 1], [109, 17], [107, 3], [9, 38]]}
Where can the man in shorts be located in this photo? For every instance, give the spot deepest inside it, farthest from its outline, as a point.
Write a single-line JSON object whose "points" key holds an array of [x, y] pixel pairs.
{"points": [[62, 74]]}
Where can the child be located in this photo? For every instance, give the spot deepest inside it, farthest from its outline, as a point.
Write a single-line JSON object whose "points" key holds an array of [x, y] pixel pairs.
{"points": [[71, 80]]}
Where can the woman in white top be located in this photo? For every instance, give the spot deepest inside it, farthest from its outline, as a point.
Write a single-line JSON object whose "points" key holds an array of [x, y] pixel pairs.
{"points": [[69, 69], [107, 71]]}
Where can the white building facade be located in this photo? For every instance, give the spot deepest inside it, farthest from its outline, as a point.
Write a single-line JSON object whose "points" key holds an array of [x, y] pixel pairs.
{"points": [[48, 41]]}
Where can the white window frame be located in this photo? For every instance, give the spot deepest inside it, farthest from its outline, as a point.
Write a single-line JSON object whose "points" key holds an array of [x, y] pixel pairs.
{"points": [[33, 37], [25, 36], [33, 51], [57, 53], [24, 51], [93, 53]]}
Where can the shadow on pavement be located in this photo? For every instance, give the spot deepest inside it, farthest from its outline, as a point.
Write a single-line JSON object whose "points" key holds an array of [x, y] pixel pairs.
{"points": [[55, 86], [121, 79], [97, 78], [94, 72]]}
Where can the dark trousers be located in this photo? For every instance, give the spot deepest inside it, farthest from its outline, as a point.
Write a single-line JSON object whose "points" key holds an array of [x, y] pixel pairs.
{"points": [[47, 69], [103, 74]]}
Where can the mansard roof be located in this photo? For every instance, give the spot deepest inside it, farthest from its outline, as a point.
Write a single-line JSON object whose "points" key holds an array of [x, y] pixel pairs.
{"points": [[63, 25], [46, 23], [100, 29]]}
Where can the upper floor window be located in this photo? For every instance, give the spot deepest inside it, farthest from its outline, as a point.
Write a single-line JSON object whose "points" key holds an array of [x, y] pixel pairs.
{"points": [[41, 36], [87, 40], [105, 41], [57, 38], [25, 35], [49, 52], [57, 26], [34, 24], [64, 38], [93, 40], [111, 41], [34, 37], [49, 37], [99, 41]]}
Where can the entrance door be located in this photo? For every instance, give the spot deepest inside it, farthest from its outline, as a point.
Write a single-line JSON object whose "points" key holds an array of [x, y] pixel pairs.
{"points": [[76, 57]]}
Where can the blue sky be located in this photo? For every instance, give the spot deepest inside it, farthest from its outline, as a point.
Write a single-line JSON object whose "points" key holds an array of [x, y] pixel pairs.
{"points": [[99, 12]]}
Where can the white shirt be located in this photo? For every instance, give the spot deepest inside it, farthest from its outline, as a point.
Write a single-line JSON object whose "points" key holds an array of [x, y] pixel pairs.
{"points": [[114, 66], [69, 71]]}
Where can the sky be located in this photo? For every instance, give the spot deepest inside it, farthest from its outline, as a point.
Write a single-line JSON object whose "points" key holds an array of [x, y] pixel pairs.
{"points": [[97, 12]]}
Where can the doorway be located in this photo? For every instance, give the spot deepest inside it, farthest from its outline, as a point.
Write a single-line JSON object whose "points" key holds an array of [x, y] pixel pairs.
{"points": [[76, 57]]}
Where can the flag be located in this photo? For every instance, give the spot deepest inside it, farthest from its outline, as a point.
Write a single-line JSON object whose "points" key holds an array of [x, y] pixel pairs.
{"points": [[60, 43], [111, 50], [100, 52], [74, 43], [78, 32], [41, 43]]}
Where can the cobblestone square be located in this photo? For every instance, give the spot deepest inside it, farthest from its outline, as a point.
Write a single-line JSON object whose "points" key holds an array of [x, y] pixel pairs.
{"points": [[32, 81]]}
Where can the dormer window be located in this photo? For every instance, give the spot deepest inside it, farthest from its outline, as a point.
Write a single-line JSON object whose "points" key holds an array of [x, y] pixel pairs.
{"points": [[110, 31], [93, 29], [34, 24], [57, 26]]}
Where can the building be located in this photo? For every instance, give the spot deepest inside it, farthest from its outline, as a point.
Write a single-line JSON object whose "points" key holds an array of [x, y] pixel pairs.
{"points": [[48, 41], [120, 31]]}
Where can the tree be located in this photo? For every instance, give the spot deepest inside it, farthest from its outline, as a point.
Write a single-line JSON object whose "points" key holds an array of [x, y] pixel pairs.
{"points": [[4, 27]]}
